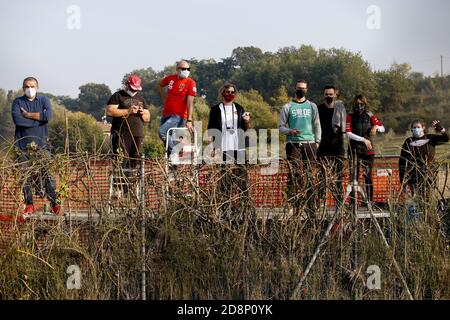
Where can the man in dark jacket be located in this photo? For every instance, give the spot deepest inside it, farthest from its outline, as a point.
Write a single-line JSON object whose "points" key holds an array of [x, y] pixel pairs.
{"points": [[331, 151], [31, 114]]}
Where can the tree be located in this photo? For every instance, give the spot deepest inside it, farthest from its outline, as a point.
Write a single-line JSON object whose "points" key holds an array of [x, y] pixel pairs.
{"points": [[6, 124], [246, 55], [262, 116], [395, 87], [153, 146], [68, 102], [280, 99], [345, 70], [201, 111], [207, 76], [93, 98], [83, 130]]}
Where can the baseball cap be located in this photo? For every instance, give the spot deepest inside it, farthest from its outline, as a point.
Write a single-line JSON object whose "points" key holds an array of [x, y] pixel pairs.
{"points": [[134, 82]]}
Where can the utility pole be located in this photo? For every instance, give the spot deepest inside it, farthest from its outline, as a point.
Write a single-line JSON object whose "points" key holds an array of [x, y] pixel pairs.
{"points": [[442, 66]]}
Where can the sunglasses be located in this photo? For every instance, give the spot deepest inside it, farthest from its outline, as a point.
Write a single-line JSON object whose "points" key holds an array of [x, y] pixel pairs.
{"points": [[230, 92], [184, 69]]}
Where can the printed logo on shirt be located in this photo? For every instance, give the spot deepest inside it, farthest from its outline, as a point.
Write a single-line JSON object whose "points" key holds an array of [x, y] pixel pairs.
{"points": [[194, 89], [182, 86], [419, 143], [171, 84], [301, 113], [127, 103]]}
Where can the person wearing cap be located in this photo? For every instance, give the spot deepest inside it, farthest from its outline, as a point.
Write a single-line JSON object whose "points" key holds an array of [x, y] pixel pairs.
{"points": [[129, 113], [178, 103], [31, 114]]}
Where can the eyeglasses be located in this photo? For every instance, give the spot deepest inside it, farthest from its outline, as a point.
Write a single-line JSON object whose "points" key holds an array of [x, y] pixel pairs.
{"points": [[230, 92], [184, 69]]}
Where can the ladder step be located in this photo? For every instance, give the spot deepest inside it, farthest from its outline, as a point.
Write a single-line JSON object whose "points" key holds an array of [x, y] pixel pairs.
{"points": [[383, 214]]}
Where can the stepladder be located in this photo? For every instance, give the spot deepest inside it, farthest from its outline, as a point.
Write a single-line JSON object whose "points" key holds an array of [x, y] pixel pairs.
{"points": [[183, 151], [124, 188]]}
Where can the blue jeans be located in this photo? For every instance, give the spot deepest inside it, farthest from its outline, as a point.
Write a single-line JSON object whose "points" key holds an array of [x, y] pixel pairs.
{"points": [[167, 123]]}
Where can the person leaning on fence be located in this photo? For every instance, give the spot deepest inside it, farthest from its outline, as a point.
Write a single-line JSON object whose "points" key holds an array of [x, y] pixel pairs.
{"points": [[331, 151], [416, 164], [178, 107], [31, 114], [361, 127], [299, 121], [129, 113]]}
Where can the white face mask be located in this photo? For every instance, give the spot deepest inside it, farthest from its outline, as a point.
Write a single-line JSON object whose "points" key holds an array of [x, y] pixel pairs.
{"points": [[417, 132], [131, 93], [184, 74], [30, 92]]}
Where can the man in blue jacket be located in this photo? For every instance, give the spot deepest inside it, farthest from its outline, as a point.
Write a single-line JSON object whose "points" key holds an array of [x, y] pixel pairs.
{"points": [[31, 114]]}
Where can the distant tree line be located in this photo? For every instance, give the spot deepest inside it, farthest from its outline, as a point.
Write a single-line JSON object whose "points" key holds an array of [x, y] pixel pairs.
{"points": [[265, 81]]}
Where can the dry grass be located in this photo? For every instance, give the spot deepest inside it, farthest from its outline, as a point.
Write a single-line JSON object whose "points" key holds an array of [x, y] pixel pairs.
{"points": [[204, 245]]}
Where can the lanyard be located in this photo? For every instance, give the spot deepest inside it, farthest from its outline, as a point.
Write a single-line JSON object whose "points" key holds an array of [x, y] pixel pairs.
{"points": [[232, 116]]}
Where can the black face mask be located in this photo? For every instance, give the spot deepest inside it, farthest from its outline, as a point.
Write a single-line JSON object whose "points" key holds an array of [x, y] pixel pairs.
{"points": [[301, 93], [359, 108], [329, 100]]}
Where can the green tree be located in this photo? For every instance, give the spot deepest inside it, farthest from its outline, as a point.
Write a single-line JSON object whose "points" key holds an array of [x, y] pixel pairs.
{"points": [[93, 98], [261, 114], [395, 87], [84, 132], [153, 146], [345, 70], [246, 55], [280, 99], [6, 124]]}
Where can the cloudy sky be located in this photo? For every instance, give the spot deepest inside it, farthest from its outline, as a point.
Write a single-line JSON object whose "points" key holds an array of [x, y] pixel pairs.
{"points": [[72, 42]]}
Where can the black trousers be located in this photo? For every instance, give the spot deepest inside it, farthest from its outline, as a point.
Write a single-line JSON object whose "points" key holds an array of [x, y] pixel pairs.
{"points": [[303, 162], [331, 170], [129, 146], [422, 181], [364, 162], [233, 174], [331, 154]]}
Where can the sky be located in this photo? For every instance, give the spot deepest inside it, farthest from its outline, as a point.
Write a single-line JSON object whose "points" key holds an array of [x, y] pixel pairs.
{"points": [[68, 43]]}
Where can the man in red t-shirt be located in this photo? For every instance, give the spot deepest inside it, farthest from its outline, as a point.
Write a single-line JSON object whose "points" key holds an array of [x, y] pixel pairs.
{"points": [[179, 101]]}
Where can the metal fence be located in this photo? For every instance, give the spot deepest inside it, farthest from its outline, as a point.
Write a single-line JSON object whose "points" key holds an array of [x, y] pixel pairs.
{"points": [[88, 184]]}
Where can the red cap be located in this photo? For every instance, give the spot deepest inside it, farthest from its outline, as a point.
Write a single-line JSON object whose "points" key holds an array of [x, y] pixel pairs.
{"points": [[134, 82]]}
